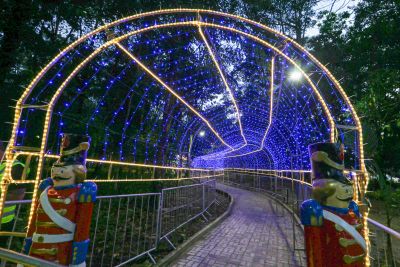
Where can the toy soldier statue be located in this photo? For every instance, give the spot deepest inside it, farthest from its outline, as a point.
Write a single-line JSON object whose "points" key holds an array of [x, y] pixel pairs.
{"points": [[59, 230], [332, 221]]}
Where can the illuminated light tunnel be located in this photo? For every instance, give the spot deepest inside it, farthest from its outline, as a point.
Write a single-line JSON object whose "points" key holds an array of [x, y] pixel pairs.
{"points": [[188, 88]]}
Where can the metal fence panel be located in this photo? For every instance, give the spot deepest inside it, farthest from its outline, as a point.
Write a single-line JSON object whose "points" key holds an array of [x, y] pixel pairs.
{"points": [[123, 228], [209, 194], [295, 187], [183, 204], [126, 227]]}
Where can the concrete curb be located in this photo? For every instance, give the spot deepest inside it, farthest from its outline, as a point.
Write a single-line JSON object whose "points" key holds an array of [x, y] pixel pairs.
{"points": [[185, 246]]}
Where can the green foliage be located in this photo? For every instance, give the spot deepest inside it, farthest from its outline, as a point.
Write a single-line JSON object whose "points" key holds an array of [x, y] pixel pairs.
{"points": [[366, 55]]}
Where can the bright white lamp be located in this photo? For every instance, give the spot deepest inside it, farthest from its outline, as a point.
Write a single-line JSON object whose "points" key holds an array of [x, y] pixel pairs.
{"points": [[295, 75]]}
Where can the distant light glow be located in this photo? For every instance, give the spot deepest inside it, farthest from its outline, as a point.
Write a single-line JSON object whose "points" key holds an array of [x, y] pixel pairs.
{"points": [[295, 75], [202, 133]]}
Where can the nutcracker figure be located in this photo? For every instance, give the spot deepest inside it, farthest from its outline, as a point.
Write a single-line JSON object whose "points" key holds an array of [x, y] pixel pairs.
{"points": [[332, 221], [59, 230]]}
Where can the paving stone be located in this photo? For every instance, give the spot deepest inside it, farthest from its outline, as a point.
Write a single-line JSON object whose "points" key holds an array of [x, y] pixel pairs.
{"points": [[257, 233]]}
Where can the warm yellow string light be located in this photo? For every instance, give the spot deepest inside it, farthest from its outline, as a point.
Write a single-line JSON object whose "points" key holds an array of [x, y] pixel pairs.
{"points": [[152, 179], [114, 162], [19, 105], [158, 79], [271, 98], [271, 102], [310, 82], [224, 81], [274, 174], [160, 12], [132, 179]]}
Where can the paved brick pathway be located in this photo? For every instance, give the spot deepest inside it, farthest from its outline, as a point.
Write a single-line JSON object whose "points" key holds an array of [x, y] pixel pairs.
{"points": [[257, 233]]}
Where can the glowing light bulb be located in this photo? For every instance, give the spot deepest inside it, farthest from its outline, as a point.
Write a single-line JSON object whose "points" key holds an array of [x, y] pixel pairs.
{"points": [[202, 133], [295, 75]]}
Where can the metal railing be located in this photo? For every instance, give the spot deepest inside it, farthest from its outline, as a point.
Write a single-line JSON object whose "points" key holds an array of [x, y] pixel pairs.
{"points": [[15, 257], [182, 204], [127, 227], [124, 228], [293, 187]]}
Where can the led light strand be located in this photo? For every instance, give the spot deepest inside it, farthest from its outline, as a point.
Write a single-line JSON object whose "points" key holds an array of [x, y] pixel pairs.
{"points": [[141, 15], [171, 91], [203, 37]]}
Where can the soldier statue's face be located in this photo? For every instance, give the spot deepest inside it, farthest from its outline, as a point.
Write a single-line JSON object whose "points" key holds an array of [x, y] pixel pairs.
{"points": [[342, 196], [64, 175]]}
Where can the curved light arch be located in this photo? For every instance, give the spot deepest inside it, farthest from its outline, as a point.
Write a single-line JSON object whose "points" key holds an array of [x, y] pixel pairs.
{"points": [[225, 82], [25, 94], [20, 104], [271, 108]]}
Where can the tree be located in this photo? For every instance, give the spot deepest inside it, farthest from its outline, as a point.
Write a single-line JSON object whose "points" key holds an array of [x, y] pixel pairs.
{"points": [[292, 18], [375, 76], [366, 55]]}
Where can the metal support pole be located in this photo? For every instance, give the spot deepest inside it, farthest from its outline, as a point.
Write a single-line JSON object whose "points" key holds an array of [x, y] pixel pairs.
{"points": [[159, 217], [169, 242], [204, 198]]}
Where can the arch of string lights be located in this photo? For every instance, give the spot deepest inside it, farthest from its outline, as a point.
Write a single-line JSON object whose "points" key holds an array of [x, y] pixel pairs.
{"points": [[185, 88]]}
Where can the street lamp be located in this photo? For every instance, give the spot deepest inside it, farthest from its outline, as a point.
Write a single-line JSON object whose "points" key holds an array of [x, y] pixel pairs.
{"points": [[295, 75], [201, 133]]}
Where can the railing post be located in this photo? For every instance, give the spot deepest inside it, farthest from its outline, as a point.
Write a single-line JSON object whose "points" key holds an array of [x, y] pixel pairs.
{"points": [[204, 197], [159, 217]]}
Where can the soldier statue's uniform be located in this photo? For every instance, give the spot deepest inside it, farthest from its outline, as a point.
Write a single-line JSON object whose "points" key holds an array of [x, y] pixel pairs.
{"points": [[59, 230], [332, 221]]}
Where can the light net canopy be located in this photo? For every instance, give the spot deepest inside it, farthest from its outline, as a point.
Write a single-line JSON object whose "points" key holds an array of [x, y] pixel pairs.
{"points": [[189, 88]]}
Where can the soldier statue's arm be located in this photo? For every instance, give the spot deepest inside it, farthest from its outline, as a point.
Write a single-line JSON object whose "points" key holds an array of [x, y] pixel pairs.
{"points": [[86, 198], [354, 207], [311, 213], [28, 240], [312, 219]]}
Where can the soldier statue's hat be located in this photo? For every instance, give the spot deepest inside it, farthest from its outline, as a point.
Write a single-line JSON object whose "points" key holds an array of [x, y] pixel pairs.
{"points": [[327, 161], [73, 150]]}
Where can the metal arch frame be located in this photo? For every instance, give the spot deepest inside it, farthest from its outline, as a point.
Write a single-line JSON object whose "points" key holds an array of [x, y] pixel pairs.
{"points": [[26, 93], [265, 150], [271, 98], [234, 156], [262, 149], [268, 155], [158, 79], [201, 126], [284, 137], [7, 174], [203, 37], [21, 101]]}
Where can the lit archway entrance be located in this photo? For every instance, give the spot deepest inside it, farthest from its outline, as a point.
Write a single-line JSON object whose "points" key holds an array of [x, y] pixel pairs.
{"points": [[184, 89]]}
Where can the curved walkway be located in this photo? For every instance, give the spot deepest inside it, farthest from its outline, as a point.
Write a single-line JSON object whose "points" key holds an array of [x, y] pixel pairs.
{"points": [[258, 232]]}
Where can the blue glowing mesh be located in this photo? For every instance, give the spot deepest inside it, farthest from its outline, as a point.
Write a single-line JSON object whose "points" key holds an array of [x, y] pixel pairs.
{"points": [[132, 117]]}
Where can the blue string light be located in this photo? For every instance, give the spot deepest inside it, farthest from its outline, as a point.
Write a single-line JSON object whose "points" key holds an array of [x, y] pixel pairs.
{"points": [[133, 118]]}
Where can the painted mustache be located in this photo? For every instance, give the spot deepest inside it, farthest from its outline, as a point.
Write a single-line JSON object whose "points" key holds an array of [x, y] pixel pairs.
{"points": [[58, 178], [345, 199]]}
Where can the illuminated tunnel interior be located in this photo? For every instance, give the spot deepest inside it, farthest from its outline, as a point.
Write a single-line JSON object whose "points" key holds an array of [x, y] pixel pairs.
{"points": [[190, 88]]}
